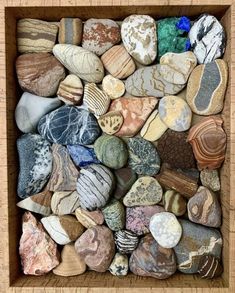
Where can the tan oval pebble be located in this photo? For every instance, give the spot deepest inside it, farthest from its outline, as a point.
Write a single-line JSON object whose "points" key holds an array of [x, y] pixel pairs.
{"points": [[64, 202], [114, 87], [111, 122], [174, 203], [89, 219], [71, 263]]}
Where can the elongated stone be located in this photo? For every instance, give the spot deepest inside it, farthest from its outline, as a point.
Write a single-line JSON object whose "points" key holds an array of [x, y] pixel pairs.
{"points": [[64, 202], [82, 156], [114, 215], [70, 31], [125, 178]]}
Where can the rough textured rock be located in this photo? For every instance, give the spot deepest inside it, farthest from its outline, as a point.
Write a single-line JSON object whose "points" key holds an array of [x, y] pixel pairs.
{"points": [[111, 122], [70, 31], [82, 156], [209, 267], [114, 215], [96, 247], [126, 241], [210, 179], [125, 178], [39, 74], [89, 219], [64, 202], [174, 203], [152, 260], [113, 86], [38, 252], [119, 266]]}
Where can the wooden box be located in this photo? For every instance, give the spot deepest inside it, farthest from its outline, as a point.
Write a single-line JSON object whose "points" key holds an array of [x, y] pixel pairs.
{"points": [[11, 277]]}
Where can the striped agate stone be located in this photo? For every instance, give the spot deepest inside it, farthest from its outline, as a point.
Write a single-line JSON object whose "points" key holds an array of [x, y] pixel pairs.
{"points": [[70, 31], [209, 267], [126, 241]]}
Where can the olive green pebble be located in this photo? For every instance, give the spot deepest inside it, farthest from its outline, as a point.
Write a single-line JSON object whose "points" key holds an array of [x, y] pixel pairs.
{"points": [[114, 215], [174, 203], [111, 151]]}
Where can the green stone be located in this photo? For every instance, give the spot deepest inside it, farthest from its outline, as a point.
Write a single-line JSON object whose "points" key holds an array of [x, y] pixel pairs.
{"points": [[114, 215]]}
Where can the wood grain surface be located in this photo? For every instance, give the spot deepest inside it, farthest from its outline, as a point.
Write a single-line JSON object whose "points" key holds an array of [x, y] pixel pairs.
{"points": [[11, 280]]}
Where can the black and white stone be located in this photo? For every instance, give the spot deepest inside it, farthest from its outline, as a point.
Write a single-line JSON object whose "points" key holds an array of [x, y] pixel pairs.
{"points": [[126, 241], [119, 266]]}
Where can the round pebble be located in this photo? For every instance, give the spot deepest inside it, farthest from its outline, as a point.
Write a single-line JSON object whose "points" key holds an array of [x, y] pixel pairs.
{"points": [[114, 215], [119, 265], [114, 87]]}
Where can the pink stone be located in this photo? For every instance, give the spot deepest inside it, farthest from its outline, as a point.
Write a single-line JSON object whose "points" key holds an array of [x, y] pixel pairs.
{"points": [[138, 218], [38, 251]]}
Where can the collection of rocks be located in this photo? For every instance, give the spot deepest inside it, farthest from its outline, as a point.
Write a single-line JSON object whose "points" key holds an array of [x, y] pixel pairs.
{"points": [[114, 173]]}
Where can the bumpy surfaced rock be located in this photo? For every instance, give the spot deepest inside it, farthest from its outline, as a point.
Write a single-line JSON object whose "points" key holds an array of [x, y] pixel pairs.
{"points": [[34, 35], [125, 178], [207, 38], [113, 86], [206, 87], [96, 247], [208, 141], [99, 35], [126, 241], [70, 31], [111, 122], [134, 111], [145, 191], [111, 151], [69, 125], [174, 203], [94, 186], [152, 260], [114, 215], [80, 62], [143, 156], [71, 263], [39, 74], [140, 38], [209, 267], [38, 251], [204, 208], [138, 218], [195, 242], [89, 219], [210, 179], [119, 266], [82, 156], [64, 202], [35, 160]]}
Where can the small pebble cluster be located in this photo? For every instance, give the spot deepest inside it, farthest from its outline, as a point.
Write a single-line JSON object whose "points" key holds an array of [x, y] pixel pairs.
{"points": [[122, 144]]}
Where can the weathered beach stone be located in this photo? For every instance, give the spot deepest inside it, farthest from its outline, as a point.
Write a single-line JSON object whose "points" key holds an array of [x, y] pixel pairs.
{"points": [[64, 174], [96, 247], [196, 241], [111, 151], [204, 208], [113, 86], [125, 178], [174, 203], [134, 111], [209, 267], [206, 87], [64, 202], [70, 90], [39, 203], [175, 113], [152, 260], [34, 35], [39, 74], [114, 215], [111, 122], [94, 186], [80, 62], [70, 31], [96, 100], [35, 159], [118, 62], [126, 241], [119, 266], [99, 35], [34, 238], [76, 126], [82, 156], [153, 128], [210, 179], [208, 141], [138, 218], [71, 263], [89, 219], [31, 108], [62, 229], [207, 38], [139, 37], [145, 191], [143, 156]]}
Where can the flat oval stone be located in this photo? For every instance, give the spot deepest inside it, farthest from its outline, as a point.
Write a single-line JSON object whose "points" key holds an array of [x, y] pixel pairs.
{"points": [[64, 202], [126, 241], [96, 100], [209, 267], [206, 88], [30, 110], [111, 122], [152, 260], [139, 37], [35, 159], [82, 156], [204, 208], [113, 86], [99, 35], [96, 247], [174, 203], [125, 178], [111, 151], [114, 215], [196, 241], [118, 62], [166, 229], [210, 179], [70, 31], [89, 219], [145, 191], [207, 38], [80, 62], [175, 113], [119, 266], [94, 186], [70, 90], [39, 74], [143, 156], [69, 125]]}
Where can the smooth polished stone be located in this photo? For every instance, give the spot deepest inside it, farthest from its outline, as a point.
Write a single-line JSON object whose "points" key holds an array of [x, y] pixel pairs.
{"points": [[70, 31]]}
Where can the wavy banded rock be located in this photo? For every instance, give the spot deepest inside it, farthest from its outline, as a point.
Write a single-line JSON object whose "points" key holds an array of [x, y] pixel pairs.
{"points": [[70, 31], [209, 267], [126, 241], [89, 219], [64, 202]]}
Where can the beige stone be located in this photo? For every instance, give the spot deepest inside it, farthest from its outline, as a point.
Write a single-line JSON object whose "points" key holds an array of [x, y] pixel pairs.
{"points": [[64, 202], [111, 122], [89, 219], [114, 87]]}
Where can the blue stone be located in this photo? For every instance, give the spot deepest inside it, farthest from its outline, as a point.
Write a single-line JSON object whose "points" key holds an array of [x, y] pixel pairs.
{"points": [[183, 24], [69, 125], [82, 156]]}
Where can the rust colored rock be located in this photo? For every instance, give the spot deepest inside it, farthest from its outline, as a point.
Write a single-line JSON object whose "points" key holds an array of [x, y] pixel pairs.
{"points": [[39, 73], [208, 141], [38, 252], [96, 247]]}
